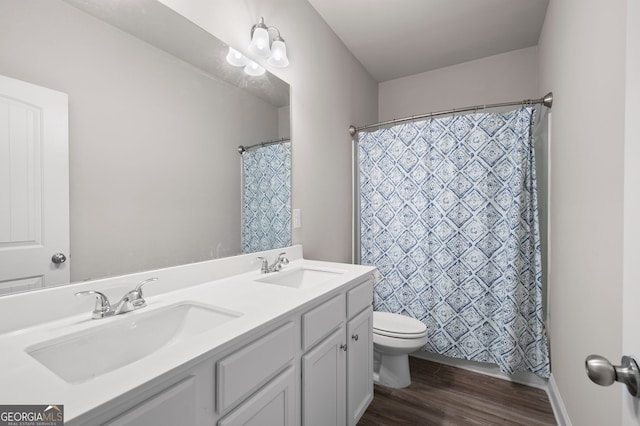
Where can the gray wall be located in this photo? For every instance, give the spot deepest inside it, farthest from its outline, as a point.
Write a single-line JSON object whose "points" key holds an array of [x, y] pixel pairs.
{"points": [[154, 168], [582, 58], [500, 78]]}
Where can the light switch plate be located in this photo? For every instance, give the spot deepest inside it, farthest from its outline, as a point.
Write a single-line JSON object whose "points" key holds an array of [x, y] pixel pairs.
{"points": [[297, 218]]}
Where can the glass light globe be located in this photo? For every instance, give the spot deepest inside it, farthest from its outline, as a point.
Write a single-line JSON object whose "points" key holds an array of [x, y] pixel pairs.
{"points": [[260, 42], [254, 69], [278, 56], [236, 58]]}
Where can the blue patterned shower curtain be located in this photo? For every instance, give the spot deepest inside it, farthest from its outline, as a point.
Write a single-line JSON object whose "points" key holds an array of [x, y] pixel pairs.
{"points": [[266, 197], [449, 217]]}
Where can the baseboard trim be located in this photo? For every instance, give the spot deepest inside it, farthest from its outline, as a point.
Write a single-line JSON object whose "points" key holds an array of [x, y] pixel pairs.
{"points": [[524, 378], [559, 410]]}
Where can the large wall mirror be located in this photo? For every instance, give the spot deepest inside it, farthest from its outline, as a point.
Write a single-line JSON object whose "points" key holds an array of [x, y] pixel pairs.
{"points": [[156, 118]]}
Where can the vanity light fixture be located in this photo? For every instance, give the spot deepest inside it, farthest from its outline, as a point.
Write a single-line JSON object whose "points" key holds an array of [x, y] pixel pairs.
{"points": [[263, 46]]}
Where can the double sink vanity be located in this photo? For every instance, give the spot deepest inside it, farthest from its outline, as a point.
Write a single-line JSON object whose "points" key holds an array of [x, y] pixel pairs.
{"points": [[218, 342]]}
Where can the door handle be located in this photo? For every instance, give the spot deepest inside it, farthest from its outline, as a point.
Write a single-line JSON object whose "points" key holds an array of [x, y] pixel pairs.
{"points": [[603, 373], [58, 258]]}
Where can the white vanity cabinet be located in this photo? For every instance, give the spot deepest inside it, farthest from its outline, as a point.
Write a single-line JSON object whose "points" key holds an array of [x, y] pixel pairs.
{"points": [[252, 383], [337, 367], [311, 366]]}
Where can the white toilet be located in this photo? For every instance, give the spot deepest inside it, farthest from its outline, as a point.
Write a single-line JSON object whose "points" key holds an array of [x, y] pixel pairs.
{"points": [[394, 338]]}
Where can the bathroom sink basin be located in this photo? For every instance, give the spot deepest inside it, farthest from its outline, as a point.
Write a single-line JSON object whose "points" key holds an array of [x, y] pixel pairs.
{"points": [[301, 277], [120, 341]]}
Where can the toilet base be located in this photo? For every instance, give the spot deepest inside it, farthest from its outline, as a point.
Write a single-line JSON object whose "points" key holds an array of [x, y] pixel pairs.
{"points": [[391, 370]]}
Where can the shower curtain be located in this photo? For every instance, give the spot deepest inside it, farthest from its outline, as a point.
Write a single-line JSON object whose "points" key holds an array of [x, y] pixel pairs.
{"points": [[266, 197], [448, 215]]}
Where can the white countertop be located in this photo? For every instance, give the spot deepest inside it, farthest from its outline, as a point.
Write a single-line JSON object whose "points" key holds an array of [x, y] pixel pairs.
{"points": [[25, 381]]}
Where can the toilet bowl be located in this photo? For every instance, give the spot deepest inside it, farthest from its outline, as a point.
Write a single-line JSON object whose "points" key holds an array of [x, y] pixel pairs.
{"points": [[394, 338]]}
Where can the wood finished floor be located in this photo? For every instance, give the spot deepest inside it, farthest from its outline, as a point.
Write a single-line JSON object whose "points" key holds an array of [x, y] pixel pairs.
{"points": [[440, 395]]}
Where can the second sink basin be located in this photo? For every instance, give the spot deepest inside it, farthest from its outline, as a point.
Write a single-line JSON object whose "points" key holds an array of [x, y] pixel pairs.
{"points": [[301, 277], [84, 355]]}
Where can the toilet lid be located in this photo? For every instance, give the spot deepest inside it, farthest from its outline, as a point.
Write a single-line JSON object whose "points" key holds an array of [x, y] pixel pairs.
{"points": [[395, 325]]}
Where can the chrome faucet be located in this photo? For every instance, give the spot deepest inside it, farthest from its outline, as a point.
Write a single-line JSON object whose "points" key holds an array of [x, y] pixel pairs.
{"points": [[102, 308], [134, 299], [264, 268], [131, 301], [280, 261], [277, 265]]}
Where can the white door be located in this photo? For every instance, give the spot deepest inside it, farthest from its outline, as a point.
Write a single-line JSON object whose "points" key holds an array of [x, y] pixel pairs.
{"points": [[631, 261], [34, 186]]}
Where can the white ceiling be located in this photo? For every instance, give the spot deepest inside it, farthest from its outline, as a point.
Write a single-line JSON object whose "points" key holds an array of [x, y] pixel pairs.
{"points": [[397, 38]]}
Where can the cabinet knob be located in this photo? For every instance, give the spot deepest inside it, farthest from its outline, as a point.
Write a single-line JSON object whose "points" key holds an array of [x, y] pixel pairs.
{"points": [[354, 337], [343, 347]]}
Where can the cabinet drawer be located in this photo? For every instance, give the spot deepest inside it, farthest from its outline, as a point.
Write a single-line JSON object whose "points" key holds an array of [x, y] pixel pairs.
{"points": [[320, 321], [359, 298], [174, 405], [245, 370]]}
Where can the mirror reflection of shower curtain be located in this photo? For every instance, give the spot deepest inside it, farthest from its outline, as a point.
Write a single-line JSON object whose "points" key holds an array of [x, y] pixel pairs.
{"points": [[266, 197]]}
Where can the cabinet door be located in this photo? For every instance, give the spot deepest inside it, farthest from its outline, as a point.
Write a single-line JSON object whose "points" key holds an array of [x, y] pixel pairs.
{"points": [[324, 383], [273, 405], [359, 365]]}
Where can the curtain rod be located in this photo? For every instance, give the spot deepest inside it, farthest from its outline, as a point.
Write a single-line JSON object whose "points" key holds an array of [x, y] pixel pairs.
{"points": [[242, 148], [546, 100]]}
